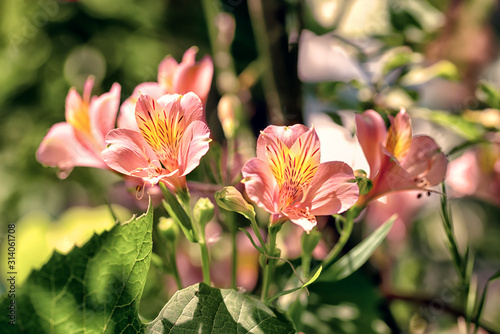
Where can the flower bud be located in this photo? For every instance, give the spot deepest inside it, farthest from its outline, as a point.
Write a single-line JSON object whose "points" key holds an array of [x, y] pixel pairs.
{"points": [[228, 108], [203, 211], [364, 183], [168, 228], [229, 198]]}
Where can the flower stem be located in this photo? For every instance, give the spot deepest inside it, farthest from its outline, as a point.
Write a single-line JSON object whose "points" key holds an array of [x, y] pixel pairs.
{"points": [[269, 264], [234, 262], [199, 231], [345, 234], [175, 272], [205, 262]]}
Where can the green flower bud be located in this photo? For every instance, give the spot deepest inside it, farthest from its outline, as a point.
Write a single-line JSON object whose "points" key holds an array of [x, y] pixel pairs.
{"points": [[168, 228], [364, 183], [203, 211], [232, 200]]}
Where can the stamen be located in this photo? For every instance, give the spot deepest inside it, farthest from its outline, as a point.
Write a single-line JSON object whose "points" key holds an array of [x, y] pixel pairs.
{"points": [[140, 190]]}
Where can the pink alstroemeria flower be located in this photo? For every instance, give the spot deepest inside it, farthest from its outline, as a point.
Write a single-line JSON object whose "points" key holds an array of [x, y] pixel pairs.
{"points": [[171, 140], [287, 179], [173, 78], [397, 160], [80, 140]]}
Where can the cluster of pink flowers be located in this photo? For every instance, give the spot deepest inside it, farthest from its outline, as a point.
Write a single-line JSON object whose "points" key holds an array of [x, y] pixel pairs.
{"points": [[162, 135]]}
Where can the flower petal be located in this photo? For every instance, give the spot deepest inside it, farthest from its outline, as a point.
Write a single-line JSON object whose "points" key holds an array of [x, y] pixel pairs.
{"points": [[307, 222], [425, 159], [194, 78], [128, 153], [260, 185], [166, 71], [372, 135], [76, 111], [305, 157], [126, 119], [287, 134], [400, 135], [332, 190], [102, 113], [194, 145], [60, 148]]}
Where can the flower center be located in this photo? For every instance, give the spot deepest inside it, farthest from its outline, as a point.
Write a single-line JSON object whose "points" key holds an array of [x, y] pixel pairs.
{"points": [[163, 132]]}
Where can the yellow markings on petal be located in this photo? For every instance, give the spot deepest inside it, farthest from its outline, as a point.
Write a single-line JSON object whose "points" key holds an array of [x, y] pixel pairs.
{"points": [[78, 116], [400, 135], [163, 130], [293, 168]]}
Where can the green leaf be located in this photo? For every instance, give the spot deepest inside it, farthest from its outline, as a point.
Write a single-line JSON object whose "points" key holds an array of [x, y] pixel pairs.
{"points": [[397, 57], [176, 211], [309, 282], [489, 94], [202, 309], [480, 305], [93, 289], [442, 69], [468, 130], [357, 256]]}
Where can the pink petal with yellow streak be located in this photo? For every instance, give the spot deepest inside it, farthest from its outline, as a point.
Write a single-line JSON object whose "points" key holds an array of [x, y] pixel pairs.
{"points": [[60, 148], [128, 153], [306, 153], [126, 118], [102, 113], [193, 146], [74, 105], [195, 78], [260, 184], [190, 106], [332, 190], [286, 134], [400, 135], [372, 135]]}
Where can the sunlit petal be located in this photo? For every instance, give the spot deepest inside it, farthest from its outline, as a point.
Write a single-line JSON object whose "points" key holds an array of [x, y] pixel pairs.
{"points": [[372, 135], [399, 136], [60, 148], [260, 185], [193, 146]]}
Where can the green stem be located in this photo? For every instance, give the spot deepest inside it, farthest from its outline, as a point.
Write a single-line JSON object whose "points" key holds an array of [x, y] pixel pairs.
{"points": [[175, 271], [269, 265], [166, 251], [205, 262], [234, 264], [229, 159], [199, 231], [344, 236]]}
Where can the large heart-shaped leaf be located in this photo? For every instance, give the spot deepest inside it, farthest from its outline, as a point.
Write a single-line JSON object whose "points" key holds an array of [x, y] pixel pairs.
{"points": [[93, 289], [202, 309]]}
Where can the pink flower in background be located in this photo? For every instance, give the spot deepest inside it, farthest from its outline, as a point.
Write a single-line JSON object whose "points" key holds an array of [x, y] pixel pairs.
{"points": [[80, 140], [173, 78], [171, 140], [477, 172], [287, 179], [404, 203], [397, 160]]}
